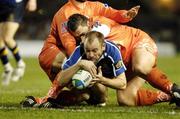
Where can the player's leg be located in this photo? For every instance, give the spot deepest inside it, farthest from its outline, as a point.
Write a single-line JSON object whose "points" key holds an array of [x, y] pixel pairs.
{"points": [[51, 59], [98, 95], [72, 97], [143, 64], [134, 95], [12, 26], [8, 69], [65, 98], [10, 29]]}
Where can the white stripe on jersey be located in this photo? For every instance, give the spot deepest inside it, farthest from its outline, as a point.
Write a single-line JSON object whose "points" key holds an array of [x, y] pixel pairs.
{"points": [[102, 28], [18, 1]]}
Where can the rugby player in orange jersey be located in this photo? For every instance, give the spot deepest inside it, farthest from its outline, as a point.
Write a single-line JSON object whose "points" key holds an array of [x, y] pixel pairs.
{"points": [[140, 54], [60, 43]]}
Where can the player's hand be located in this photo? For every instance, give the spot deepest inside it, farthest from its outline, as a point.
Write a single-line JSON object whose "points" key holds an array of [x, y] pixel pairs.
{"points": [[132, 12], [99, 77], [89, 66]]}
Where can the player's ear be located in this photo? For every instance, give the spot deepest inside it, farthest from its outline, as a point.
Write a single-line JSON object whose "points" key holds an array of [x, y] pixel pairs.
{"points": [[103, 46], [89, 24]]}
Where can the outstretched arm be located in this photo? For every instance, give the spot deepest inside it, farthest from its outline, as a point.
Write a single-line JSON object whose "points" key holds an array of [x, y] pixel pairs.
{"points": [[121, 16]]}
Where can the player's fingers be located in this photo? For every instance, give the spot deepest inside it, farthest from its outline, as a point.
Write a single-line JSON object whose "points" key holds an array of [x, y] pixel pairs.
{"points": [[137, 7], [92, 83], [93, 72], [95, 80], [99, 70]]}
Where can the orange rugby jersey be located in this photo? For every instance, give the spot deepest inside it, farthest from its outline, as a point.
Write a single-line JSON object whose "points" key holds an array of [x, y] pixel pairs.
{"points": [[59, 34], [122, 35]]}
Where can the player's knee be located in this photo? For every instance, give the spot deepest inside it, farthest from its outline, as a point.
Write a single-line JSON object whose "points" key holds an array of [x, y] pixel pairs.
{"points": [[58, 61], [8, 39], [142, 68], [57, 64], [125, 100]]}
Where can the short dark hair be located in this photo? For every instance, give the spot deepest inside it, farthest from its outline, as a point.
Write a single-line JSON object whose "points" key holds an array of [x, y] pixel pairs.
{"points": [[75, 21]]}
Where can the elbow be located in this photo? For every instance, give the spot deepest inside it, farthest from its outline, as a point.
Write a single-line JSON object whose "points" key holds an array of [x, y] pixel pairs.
{"points": [[122, 86]]}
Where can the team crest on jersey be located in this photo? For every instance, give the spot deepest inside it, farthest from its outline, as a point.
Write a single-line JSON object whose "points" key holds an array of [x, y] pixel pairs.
{"points": [[119, 64], [64, 27]]}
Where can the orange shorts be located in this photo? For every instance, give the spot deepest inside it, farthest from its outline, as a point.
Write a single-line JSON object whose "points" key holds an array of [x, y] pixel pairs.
{"points": [[148, 43], [145, 41], [47, 56]]}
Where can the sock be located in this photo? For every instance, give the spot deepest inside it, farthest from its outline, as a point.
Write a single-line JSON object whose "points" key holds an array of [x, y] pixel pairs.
{"points": [[159, 80], [3, 56], [149, 97], [40, 100], [16, 54], [54, 90]]}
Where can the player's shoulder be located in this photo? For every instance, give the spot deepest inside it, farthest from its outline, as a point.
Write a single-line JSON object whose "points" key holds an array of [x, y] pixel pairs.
{"points": [[110, 43], [111, 47], [79, 49], [95, 3], [65, 8]]}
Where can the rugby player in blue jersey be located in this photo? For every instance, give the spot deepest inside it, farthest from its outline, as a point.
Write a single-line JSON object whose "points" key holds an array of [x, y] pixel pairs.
{"points": [[102, 59], [11, 13]]}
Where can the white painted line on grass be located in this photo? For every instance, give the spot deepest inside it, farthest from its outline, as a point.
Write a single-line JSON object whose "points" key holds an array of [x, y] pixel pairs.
{"points": [[172, 112]]}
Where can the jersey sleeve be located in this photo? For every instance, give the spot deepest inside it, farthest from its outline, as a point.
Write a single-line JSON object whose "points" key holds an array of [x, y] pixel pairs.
{"points": [[115, 54], [73, 59], [53, 35], [67, 40], [109, 12], [118, 62]]}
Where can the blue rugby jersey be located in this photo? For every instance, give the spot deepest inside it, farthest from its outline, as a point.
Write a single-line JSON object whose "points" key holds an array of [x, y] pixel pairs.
{"points": [[110, 61]]}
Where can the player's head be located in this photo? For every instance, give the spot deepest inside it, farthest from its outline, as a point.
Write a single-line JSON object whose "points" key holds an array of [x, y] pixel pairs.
{"points": [[78, 25], [94, 45]]}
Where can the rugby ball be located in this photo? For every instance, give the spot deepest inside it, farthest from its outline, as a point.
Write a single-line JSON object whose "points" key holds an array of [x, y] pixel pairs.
{"points": [[81, 79]]}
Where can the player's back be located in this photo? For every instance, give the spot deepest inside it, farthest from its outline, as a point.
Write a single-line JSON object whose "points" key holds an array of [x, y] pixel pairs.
{"points": [[123, 35], [60, 19]]}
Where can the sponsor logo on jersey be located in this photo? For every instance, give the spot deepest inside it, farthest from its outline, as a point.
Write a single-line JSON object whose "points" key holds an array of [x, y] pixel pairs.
{"points": [[64, 27], [119, 64], [96, 24]]}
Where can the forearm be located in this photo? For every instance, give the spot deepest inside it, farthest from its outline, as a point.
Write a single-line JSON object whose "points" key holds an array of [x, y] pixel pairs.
{"points": [[66, 75], [119, 16], [114, 83]]}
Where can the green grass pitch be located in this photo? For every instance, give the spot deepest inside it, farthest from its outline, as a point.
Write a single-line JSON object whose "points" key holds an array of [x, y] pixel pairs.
{"points": [[36, 83]]}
